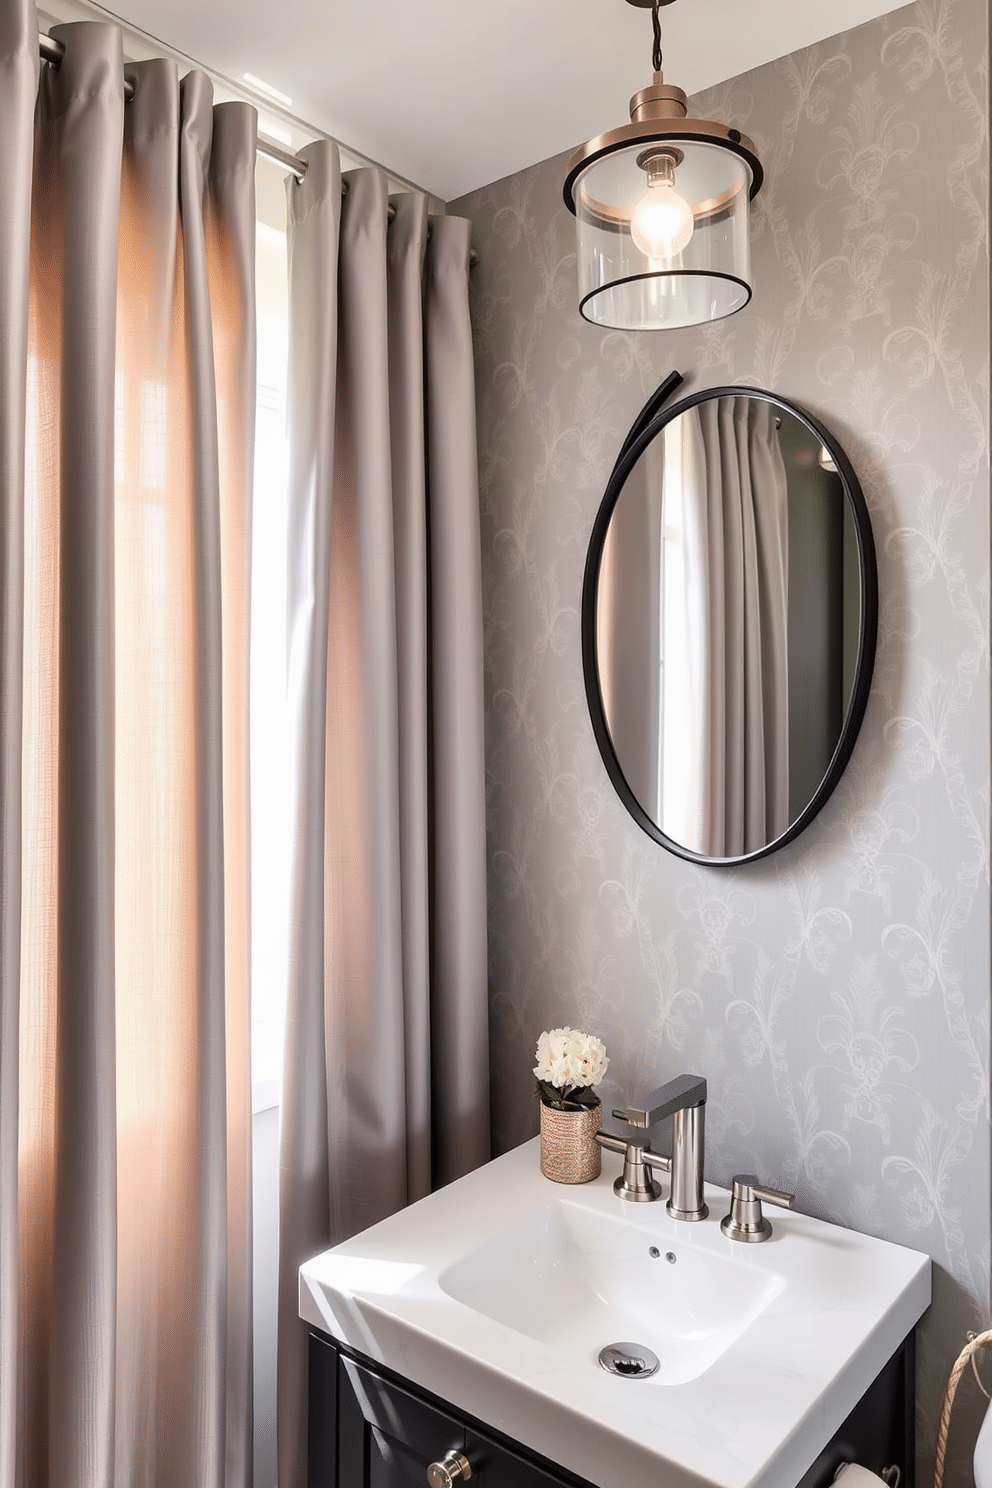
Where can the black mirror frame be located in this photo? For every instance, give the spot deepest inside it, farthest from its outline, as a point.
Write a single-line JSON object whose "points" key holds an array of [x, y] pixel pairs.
{"points": [[649, 422]]}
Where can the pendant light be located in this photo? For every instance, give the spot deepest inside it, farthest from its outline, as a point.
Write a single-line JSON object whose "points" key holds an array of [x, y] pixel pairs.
{"points": [[662, 209]]}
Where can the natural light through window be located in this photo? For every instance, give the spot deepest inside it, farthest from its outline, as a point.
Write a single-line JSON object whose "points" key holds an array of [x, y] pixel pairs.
{"points": [[676, 745], [270, 784], [154, 435]]}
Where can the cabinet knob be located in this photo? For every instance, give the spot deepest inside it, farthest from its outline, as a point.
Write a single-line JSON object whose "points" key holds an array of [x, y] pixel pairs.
{"points": [[454, 1468]]}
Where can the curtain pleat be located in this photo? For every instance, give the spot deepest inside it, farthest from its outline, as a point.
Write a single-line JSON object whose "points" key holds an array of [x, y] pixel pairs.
{"points": [[313, 231], [364, 1016], [767, 473], [747, 585], [77, 197], [18, 87], [726, 836], [406, 248], [460, 1011], [133, 1262], [386, 1088], [231, 266]]}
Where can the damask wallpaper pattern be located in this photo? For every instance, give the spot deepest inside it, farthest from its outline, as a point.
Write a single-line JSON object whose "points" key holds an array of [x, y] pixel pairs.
{"points": [[836, 995]]}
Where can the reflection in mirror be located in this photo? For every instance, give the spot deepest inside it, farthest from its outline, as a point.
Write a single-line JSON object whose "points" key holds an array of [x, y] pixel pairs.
{"points": [[728, 623]]}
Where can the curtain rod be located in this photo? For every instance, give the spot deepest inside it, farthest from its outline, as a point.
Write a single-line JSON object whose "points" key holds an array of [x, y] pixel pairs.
{"points": [[52, 50]]}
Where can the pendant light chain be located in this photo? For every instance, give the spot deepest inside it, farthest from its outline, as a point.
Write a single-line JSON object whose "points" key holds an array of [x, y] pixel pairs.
{"points": [[656, 26]]}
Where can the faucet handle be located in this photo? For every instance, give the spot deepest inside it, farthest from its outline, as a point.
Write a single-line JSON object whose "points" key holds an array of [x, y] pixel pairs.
{"points": [[745, 1220], [635, 1182]]}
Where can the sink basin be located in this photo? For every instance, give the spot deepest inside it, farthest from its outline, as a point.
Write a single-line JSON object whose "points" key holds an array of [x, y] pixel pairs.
{"points": [[498, 1292], [577, 1280]]}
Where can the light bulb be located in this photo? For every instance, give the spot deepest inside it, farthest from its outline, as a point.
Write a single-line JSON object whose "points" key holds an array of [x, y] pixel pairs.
{"points": [[662, 222]]}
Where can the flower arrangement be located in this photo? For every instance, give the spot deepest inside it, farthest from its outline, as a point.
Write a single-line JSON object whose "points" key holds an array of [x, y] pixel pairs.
{"points": [[569, 1066]]}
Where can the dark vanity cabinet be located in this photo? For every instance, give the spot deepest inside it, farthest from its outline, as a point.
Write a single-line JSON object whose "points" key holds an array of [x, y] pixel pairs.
{"points": [[368, 1428]]}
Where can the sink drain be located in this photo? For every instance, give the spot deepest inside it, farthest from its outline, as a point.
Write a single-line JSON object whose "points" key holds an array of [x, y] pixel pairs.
{"points": [[628, 1360]]}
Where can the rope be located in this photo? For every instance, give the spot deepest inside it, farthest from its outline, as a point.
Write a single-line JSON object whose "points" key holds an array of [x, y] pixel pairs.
{"points": [[960, 1365], [656, 27]]}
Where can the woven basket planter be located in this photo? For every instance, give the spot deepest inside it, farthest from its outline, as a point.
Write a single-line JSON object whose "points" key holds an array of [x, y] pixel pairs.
{"points": [[569, 1151]]}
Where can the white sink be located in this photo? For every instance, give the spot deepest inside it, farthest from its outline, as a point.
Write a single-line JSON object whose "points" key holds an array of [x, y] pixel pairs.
{"points": [[498, 1293], [576, 1280]]}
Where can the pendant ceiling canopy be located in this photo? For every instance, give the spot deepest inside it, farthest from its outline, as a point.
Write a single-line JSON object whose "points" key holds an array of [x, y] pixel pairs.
{"points": [[662, 208]]}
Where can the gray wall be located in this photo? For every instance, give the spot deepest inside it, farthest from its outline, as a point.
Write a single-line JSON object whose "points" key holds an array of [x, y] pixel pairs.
{"points": [[837, 994]]}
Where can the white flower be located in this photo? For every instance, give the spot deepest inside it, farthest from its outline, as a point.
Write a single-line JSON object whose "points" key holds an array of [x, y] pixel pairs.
{"points": [[568, 1059]]}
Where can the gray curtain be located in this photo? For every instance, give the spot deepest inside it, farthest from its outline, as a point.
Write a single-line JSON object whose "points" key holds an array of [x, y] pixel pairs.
{"points": [[126, 430], [691, 620], [386, 1088], [18, 86], [745, 790]]}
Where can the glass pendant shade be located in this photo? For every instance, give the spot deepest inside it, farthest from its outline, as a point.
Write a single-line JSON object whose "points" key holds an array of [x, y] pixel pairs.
{"points": [[662, 209]]}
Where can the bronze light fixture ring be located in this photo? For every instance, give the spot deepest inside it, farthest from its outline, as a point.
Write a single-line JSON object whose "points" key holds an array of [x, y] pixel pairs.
{"points": [[662, 212], [705, 131]]}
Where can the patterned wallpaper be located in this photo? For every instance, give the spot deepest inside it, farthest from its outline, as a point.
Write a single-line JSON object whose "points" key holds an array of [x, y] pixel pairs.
{"points": [[837, 994]]}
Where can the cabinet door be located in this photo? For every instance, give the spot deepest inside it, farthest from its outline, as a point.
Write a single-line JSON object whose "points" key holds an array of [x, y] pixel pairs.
{"points": [[495, 1465], [388, 1437], [322, 1413]]}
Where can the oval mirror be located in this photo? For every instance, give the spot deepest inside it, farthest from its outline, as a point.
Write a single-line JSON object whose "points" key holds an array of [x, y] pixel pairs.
{"points": [[729, 617]]}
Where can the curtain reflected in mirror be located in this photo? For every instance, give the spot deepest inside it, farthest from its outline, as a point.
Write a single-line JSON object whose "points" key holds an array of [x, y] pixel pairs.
{"points": [[732, 592]]}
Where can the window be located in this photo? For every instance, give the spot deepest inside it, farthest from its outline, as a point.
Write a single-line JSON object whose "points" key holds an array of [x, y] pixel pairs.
{"points": [[271, 794]]}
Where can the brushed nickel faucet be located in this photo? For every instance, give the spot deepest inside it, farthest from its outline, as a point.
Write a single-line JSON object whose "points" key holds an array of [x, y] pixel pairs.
{"points": [[684, 1099]]}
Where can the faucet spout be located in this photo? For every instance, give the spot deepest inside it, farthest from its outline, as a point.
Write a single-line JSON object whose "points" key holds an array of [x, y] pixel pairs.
{"points": [[684, 1099], [679, 1094]]}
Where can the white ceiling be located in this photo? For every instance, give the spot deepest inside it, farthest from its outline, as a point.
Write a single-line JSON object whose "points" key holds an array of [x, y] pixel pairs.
{"points": [[454, 94]]}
